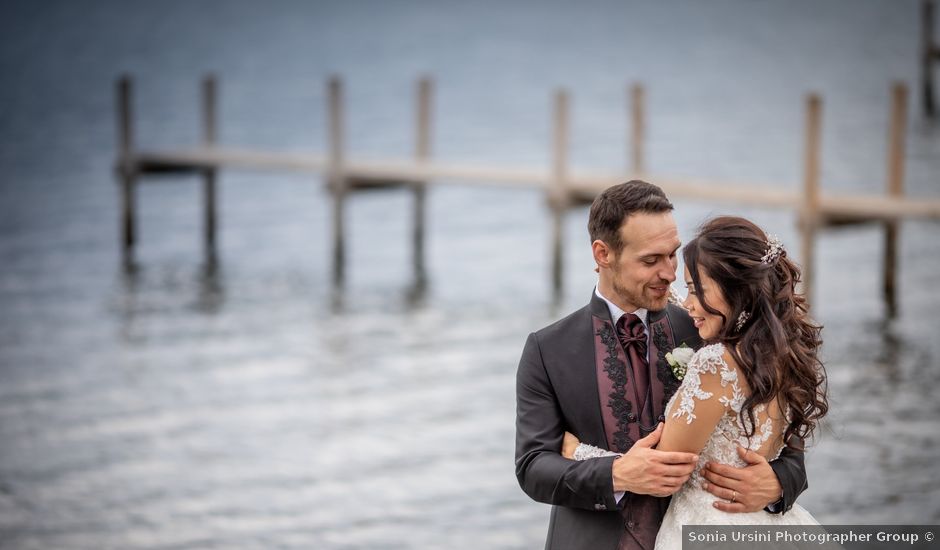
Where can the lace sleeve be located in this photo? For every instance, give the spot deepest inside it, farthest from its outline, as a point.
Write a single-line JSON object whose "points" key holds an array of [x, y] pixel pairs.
{"points": [[585, 451], [707, 363], [709, 389]]}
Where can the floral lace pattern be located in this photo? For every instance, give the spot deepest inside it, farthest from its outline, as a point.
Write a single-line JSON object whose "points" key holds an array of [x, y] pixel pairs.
{"points": [[730, 432], [707, 359], [617, 372], [584, 452], [692, 504]]}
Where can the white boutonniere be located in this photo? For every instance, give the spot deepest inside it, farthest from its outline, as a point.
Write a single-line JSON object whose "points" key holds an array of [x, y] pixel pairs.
{"points": [[678, 360]]}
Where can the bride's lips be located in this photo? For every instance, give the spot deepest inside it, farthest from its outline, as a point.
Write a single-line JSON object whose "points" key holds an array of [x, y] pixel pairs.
{"points": [[698, 321]]}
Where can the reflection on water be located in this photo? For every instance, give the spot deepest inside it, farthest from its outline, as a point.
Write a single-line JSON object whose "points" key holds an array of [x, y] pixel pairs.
{"points": [[890, 350], [236, 410]]}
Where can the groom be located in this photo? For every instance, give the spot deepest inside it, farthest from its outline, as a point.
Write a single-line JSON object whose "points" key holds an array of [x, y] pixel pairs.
{"points": [[601, 374]]}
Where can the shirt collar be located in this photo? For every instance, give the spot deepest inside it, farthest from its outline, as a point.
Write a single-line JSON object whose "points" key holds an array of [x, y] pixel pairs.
{"points": [[616, 313]]}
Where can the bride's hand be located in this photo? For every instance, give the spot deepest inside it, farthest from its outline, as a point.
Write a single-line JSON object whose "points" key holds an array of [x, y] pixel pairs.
{"points": [[569, 445]]}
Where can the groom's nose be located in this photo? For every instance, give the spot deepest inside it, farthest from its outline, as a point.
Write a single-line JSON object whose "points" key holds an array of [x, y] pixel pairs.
{"points": [[667, 275]]}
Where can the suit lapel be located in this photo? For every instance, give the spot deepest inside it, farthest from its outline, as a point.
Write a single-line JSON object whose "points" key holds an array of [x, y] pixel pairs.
{"points": [[670, 328], [661, 377], [580, 384]]}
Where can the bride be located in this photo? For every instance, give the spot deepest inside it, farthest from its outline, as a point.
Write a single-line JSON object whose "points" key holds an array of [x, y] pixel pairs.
{"points": [[756, 382]]}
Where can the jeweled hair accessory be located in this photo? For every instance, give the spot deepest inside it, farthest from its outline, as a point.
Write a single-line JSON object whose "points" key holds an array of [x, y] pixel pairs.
{"points": [[741, 320], [774, 250]]}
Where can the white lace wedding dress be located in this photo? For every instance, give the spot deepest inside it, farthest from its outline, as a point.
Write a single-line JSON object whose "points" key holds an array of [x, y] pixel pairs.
{"points": [[692, 505]]}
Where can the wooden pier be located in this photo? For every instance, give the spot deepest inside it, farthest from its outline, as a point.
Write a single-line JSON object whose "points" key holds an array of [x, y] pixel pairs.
{"points": [[562, 189]]}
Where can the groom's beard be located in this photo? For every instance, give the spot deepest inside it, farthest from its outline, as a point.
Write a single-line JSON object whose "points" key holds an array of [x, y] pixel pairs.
{"points": [[644, 299]]}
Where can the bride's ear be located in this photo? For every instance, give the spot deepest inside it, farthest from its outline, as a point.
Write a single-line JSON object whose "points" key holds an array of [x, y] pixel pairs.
{"points": [[603, 256]]}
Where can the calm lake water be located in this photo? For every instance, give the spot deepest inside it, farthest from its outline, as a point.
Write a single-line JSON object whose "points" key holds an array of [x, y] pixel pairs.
{"points": [[168, 408]]}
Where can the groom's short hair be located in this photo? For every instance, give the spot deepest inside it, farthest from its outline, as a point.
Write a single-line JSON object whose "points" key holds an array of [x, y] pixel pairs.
{"points": [[612, 207]]}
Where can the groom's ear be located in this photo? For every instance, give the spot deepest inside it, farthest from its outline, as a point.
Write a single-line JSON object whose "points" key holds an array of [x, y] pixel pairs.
{"points": [[603, 255]]}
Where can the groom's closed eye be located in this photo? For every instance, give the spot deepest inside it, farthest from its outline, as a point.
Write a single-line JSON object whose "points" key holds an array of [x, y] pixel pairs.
{"points": [[651, 260]]}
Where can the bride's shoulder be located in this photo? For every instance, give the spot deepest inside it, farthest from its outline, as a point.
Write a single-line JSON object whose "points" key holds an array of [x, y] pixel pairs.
{"points": [[715, 373], [715, 359], [710, 357]]}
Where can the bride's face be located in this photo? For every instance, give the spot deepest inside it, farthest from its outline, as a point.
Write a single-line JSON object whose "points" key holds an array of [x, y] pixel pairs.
{"points": [[708, 324]]}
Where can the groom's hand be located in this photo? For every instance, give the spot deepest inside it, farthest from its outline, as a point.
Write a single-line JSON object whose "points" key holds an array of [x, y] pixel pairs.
{"points": [[746, 489], [646, 471]]}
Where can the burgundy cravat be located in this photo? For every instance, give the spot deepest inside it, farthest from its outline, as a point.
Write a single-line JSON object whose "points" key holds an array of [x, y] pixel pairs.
{"points": [[632, 336]]}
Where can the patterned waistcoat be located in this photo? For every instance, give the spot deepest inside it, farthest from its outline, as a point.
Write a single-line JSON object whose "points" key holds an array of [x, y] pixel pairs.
{"points": [[642, 514]]}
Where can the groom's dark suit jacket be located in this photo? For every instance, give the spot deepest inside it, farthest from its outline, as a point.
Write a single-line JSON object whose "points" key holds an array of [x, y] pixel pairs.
{"points": [[557, 391]]}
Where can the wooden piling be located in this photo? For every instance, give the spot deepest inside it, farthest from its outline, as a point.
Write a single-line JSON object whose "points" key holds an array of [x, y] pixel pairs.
{"points": [[337, 178], [422, 154], [895, 184], [928, 52], [209, 136], [638, 128], [810, 215], [126, 171], [556, 193]]}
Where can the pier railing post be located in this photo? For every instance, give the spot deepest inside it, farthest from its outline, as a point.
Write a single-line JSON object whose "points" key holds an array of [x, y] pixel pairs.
{"points": [[928, 53], [557, 193], [638, 128], [337, 178], [897, 131], [209, 120], [126, 169], [810, 216], [422, 154]]}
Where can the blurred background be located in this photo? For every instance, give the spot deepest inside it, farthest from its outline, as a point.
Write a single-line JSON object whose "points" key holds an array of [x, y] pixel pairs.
{"points": [[170, 407]]}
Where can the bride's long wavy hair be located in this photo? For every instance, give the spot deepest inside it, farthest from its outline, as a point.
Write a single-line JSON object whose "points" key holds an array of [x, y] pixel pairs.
{"points": [[776, 347]]}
